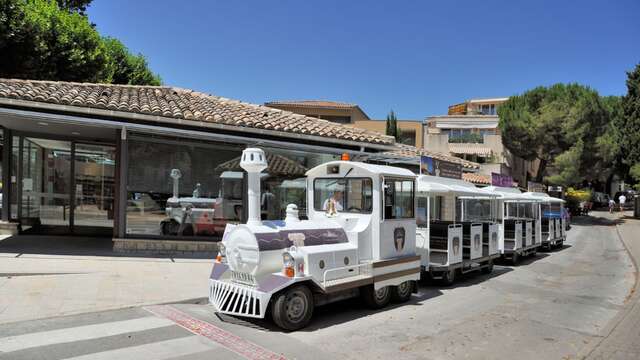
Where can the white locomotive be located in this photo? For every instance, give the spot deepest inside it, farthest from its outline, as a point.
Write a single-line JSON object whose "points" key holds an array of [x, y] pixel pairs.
{"points": [[360, 239]]}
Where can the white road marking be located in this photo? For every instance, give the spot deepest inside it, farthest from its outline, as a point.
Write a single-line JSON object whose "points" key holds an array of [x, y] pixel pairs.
{"points": [[154, 351], [79, 333]]}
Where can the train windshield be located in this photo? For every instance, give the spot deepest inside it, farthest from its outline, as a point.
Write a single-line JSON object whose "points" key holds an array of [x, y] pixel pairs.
{"points": [[352, 195]]}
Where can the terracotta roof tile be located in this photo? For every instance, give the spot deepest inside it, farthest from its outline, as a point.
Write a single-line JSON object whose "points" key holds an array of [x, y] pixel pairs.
{"points": [[476, 178], [177, 103], [313, 103]]}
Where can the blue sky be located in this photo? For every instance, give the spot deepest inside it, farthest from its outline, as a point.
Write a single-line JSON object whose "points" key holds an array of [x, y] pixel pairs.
{"points": [[415, 57]]}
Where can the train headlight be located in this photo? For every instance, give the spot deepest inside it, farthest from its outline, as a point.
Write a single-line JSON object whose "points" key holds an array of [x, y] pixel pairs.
{"points": [[222, 252], [288, 264]]}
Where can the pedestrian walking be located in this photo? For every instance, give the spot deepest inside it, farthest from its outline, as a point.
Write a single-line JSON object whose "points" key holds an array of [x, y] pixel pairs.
{"points": [[622, 199], [612, 205]]}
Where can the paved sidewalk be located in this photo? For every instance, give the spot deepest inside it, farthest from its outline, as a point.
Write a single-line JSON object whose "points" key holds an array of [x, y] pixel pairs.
{"points": [[40, 284], [622, 338]]}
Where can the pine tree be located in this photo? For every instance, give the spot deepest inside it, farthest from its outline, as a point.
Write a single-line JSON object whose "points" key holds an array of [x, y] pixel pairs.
{"points": [[392, 126]]}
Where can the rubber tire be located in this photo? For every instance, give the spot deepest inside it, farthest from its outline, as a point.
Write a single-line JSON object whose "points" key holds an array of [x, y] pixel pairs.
{"points": [[515, 258], [188, 230], [449, 277], [170, 227], [402, 293], [368, 295], [488, 269], [278, 308]]}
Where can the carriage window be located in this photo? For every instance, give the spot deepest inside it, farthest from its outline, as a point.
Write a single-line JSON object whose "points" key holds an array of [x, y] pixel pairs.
{"points": [[346, 195], [435, 210], [398, 199], [476, 209]]}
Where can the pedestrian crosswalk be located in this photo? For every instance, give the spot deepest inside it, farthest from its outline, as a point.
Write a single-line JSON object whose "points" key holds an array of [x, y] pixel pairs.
{"points": [[160, 332], [79, 333]]}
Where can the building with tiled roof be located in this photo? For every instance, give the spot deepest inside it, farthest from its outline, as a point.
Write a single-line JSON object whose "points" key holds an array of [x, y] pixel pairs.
{"points": [[98, 159], [334, 111], [164, 104]]}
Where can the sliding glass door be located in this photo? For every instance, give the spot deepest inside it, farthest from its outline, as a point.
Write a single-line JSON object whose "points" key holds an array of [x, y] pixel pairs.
{"points": [[64, 186], [45, 184]]}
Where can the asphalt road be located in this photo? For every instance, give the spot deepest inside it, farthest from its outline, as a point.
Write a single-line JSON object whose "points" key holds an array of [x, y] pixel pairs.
{"points": [[550, 307]]}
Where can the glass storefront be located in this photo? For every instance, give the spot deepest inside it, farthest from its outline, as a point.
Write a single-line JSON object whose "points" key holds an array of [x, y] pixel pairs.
{"points": [[172, 188]]}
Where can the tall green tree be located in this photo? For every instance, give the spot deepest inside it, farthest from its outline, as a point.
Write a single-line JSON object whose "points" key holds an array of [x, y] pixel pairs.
{"points": [[78, 6], [125, 68], [38, 40], [392, 128], [562, 127], [629, 123], [41, 40]]}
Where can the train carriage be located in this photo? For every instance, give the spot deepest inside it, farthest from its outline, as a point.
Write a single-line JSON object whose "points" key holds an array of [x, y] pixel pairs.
{"points": [[552, 222], [521, 233], [452, 236]]}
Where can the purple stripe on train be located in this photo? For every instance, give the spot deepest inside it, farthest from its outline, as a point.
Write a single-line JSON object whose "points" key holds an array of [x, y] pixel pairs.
{"points": [[308, 237]]}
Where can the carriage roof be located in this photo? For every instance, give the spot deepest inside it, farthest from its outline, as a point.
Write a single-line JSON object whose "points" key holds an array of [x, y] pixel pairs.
{"points": [[364, 168], [543, 197], [441, 185]]}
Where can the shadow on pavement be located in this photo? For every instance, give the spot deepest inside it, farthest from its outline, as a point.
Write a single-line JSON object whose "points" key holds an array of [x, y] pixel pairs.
{"points": [[528, 259], [334, 313], [596, 220], [469, 279], [74, 245], [353, 309]]}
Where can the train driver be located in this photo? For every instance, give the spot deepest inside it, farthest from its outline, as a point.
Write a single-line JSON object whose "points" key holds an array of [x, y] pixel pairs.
{"points": [[336, 199]]}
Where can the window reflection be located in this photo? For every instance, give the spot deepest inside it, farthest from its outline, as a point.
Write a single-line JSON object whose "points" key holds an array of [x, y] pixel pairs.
{"points": [[210, 186]]}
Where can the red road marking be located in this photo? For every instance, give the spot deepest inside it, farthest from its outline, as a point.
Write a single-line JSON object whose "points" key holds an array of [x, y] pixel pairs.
{"points": [[230, 341]]}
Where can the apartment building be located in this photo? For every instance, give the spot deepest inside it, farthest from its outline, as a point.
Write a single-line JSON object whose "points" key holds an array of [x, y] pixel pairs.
{"points": [[470, 131]]}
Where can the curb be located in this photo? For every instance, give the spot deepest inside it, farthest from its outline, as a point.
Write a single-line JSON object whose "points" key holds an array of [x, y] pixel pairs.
{"points": [[631, 301]]}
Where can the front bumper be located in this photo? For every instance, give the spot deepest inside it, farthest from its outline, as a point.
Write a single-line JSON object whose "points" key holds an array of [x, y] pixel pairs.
{"points": [[232, 297]]}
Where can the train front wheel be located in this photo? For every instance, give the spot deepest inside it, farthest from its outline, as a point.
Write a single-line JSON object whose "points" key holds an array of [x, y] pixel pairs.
{"points": [[292, 309]]}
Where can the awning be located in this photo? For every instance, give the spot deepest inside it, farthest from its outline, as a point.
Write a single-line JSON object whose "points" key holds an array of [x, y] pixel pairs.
{"points": [[469, 124], [469, 148]]}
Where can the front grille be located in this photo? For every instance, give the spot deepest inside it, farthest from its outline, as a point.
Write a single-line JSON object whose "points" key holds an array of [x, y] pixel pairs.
{"points": [[235, 299]]}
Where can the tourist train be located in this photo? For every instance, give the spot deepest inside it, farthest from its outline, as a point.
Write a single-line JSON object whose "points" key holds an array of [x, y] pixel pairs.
{"points": [[372, 231]]}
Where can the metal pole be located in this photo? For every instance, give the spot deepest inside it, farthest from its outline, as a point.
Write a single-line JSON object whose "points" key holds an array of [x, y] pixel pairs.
{"points": [[7, 148], [123, 161]]}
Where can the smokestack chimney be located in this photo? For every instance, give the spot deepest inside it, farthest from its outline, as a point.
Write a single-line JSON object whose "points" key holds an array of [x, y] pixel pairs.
{"points": [[176, 175], [253, 161]]}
